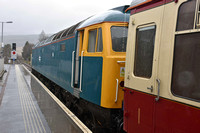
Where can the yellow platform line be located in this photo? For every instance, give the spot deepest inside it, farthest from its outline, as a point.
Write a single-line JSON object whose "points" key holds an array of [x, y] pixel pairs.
{"points": [[35, 112], [25, 117], [27, 105], [30, 111], [61, 105], [24, 100]]}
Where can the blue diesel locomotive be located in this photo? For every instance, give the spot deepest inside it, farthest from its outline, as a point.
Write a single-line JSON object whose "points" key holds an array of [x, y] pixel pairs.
{"points": [[84, 66]]}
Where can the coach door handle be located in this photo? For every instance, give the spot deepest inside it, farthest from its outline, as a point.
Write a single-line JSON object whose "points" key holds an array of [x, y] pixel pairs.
{"points": [[158, 94], [150, 88]]}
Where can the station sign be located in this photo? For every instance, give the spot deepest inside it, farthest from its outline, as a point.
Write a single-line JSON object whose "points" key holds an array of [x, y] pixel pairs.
{"points": [[13, 55]]}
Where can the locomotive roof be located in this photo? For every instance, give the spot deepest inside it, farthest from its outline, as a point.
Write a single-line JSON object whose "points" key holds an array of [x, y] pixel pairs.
{"points": [[113, 15]]}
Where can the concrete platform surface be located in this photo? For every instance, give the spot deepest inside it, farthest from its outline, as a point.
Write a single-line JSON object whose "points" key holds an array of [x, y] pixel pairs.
{"points": [[19, 112], [26, 106]]}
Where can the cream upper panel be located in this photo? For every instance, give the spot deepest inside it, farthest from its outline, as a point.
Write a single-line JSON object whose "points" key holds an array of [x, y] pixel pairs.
{"points": [[163, 52], [143, 19], [166, 54]]}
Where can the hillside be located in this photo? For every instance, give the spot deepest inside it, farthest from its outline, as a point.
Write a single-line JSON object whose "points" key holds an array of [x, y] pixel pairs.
{"points": [[20, 40]]}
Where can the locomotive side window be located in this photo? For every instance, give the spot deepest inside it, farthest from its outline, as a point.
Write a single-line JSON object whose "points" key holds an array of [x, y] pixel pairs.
{"points": [[92, 40], [144, 50], [95, 43], [186, 15], [62, 47], [119, 38], [82, 36], [100, 41]]}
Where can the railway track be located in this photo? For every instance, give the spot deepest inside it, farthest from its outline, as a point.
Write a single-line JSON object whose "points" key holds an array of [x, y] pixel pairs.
{"points": [[29, 67]]}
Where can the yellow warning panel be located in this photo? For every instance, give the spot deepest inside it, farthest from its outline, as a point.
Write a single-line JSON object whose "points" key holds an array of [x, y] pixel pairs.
{"points": [[122, 71]]}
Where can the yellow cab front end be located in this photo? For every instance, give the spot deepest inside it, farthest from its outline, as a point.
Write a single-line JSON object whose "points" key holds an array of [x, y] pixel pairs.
{"points": [[115, 38]]}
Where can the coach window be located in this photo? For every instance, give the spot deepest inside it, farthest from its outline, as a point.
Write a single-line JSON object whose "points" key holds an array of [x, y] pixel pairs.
{"points": [[186, 15], [144, 50], [186, 72], [95, 40]]}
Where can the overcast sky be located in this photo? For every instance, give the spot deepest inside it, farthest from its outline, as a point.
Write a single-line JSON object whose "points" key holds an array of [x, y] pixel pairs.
{"points": [[33, 16]]}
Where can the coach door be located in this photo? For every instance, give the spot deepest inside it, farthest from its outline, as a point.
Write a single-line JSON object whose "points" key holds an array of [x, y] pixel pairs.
{"points": [[142, 63]]}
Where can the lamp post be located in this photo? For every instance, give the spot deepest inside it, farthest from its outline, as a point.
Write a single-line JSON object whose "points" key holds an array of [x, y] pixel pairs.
{"points": [[2, 45], [1, 50]]}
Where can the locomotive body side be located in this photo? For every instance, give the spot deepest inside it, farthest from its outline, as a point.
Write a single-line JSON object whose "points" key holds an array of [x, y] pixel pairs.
{"points": [[162, 91], [110, 75], [54, 63], [89, 64]]}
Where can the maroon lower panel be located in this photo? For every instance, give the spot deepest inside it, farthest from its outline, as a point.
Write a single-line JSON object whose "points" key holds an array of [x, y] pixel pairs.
{"points": [[142, 114], [138, 112]]}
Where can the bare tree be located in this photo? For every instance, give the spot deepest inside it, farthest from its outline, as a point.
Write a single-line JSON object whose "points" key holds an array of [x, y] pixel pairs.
{"points": [[7, 52], [27, 51], [42, 36]]}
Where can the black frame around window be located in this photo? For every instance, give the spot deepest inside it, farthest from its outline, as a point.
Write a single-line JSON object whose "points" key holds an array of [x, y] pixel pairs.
{"points": [[144, 51]]}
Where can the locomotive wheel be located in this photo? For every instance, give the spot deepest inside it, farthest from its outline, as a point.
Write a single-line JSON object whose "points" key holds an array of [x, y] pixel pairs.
{"points": [[121, 130]]}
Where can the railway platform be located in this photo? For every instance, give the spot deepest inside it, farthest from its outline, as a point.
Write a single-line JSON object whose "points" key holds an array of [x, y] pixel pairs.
{"points": [[27, 106]]}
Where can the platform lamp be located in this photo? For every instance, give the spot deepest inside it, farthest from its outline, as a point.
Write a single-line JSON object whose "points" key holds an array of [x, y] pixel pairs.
{"points": [[2, 45]]}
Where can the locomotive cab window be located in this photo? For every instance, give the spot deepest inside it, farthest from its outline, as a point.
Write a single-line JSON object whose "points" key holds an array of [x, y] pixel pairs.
{"points": [[119, 38], [144, 50], [95, 42]]}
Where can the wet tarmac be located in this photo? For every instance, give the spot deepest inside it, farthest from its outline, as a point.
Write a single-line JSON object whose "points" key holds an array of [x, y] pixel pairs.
{"points": [[28, 106]]}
